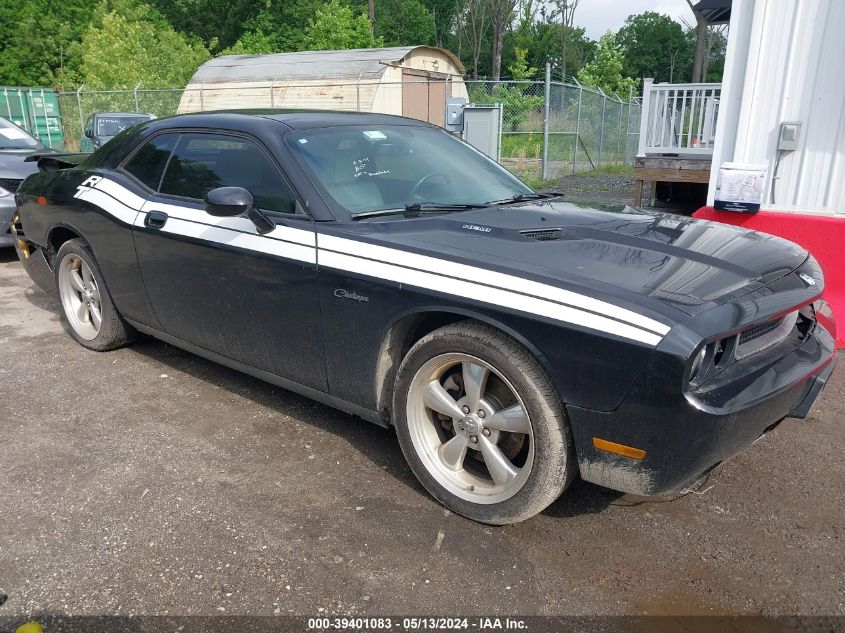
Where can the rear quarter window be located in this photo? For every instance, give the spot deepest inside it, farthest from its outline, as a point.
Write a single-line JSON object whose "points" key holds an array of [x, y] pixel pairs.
{"points": [[148, 163]]}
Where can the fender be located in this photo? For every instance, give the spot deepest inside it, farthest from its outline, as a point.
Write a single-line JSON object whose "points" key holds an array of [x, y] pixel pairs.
{"points": [[395, 343]]}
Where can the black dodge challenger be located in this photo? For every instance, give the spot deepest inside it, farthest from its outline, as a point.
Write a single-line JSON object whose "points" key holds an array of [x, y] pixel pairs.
{"points": [[379, 265]]}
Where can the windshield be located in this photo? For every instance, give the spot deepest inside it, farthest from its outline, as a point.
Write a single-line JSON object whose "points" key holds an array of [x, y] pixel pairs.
{"points": [[13, 137], [372, 168], [114, 125]]}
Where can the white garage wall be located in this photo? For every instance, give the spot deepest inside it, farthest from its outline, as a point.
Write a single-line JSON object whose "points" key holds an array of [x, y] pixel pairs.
{"points": [[786, 62]]}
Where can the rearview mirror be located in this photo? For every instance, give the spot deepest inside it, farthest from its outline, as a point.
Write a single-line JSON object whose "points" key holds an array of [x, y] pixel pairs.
{"points": [[89, 133], [236, 202]]}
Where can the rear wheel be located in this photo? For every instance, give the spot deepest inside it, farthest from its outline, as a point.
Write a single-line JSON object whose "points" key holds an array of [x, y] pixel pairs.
{"points": [[87, 309], [481, 425]]}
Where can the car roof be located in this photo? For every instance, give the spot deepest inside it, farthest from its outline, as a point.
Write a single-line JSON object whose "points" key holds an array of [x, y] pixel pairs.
{"points": [[293, 119], [147, 114]]}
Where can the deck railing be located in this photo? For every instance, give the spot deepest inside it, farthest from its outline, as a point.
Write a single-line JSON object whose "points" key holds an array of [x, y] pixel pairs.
{"points": [[679, 118]]}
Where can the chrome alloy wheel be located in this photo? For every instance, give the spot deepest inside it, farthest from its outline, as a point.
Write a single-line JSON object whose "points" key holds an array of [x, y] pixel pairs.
{"points": [[80, 296], [470, 428]]}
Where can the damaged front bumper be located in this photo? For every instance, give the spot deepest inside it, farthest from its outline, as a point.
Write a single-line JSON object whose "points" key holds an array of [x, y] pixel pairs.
{"points": [[33, 258], [685, 438]]}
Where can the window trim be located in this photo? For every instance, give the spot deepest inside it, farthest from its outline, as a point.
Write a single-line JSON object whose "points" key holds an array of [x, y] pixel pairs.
{"points": [[180, 132]]}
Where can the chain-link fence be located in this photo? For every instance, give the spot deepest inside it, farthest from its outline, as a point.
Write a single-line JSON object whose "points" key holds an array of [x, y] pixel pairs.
{"points": [[549, 129], [585, 128]]}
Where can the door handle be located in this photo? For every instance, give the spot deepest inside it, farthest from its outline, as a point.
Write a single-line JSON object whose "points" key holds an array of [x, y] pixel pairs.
{"points": [[155, 219]]}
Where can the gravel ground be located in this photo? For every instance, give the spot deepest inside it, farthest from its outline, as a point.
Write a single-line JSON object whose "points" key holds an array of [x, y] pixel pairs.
{"points": [[150, 481], [615, 189], [598, 187]]}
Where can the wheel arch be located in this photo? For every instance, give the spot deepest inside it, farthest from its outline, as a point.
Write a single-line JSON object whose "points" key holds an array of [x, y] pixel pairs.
{"points": [[58, 234], [409, 327]]}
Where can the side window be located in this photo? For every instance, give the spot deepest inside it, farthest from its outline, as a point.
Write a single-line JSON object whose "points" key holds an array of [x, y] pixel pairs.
{"points": [[148, 163], [202, 162]]}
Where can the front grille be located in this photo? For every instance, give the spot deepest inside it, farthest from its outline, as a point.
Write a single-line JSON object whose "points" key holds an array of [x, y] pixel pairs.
{"points": [[758, 331], [10, 184], [543, 235]]}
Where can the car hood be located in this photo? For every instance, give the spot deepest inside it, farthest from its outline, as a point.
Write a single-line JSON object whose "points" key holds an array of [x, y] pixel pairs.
{"points": [[689, 264], [13, 165]]}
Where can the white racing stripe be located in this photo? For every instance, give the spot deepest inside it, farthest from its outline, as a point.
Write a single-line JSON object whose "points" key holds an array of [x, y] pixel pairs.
{"points": [[489, 277], [286, 233], [485, 294], [107, 203], [247, 241], [380, 262], [120, 192]]}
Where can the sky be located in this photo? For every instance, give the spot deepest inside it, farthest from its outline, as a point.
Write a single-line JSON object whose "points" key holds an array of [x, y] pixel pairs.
{"points": [[599, 16]]}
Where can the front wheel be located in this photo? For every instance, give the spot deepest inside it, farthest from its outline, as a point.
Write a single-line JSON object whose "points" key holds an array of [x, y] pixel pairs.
{"points": [[481, 424], [88, 312]]}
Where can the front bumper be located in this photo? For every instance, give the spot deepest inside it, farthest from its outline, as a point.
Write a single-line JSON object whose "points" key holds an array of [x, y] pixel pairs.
{"points": [[819, 382], [7, 212], [685, 438]]}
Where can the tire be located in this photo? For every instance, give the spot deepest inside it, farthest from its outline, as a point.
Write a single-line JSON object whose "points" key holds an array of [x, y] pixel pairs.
{"points": [[457, 362], [83, 294]]}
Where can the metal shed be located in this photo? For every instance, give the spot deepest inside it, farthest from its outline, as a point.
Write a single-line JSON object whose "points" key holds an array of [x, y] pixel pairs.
{"points": [[411, 81]]}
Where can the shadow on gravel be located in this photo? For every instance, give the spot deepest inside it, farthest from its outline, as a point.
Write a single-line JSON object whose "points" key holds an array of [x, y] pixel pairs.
{"points": [[580, 498], [379, 445], [41, 300]]}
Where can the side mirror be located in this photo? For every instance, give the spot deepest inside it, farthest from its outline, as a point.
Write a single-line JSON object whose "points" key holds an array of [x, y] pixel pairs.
{"points": [[237, 202], [228, 202]]}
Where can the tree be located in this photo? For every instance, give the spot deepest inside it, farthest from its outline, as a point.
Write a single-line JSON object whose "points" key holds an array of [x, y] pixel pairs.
{"points": [[714, 53], [650, 44], [566, 11], [474, 24], [403, 22], [130, 43], [700, 44], [540, 34], [501, 13], [605, 71], [444, 13], [223, 21], [517, 102], [254, 43], [39, 41], [335, 27]]}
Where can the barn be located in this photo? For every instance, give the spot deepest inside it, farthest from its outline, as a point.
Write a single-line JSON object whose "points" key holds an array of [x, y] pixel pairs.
{"points": [[411, 81]]}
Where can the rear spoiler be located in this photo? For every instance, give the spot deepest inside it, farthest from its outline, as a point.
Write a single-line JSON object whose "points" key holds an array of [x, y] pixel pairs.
{"points": [[54, 162]]}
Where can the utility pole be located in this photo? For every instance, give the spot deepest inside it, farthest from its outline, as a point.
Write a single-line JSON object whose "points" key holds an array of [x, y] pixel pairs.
{"points": [[371, 16]]}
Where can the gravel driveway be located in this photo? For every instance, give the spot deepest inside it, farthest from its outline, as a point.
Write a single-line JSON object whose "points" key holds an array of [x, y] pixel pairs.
{"points": [[150, 481]]}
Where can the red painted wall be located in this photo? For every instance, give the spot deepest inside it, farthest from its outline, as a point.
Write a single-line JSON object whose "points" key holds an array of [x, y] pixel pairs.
{"points": [[823, 236]]}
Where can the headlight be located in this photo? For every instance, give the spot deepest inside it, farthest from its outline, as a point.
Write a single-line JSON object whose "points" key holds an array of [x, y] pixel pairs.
{"points": [[698, 364]]}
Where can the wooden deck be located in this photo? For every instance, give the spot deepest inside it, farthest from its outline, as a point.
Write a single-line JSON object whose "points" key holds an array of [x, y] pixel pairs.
{"points": [[656, 169]]}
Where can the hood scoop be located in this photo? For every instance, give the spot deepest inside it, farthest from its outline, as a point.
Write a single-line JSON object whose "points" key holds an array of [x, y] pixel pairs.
{"points": [[543, 235]]}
